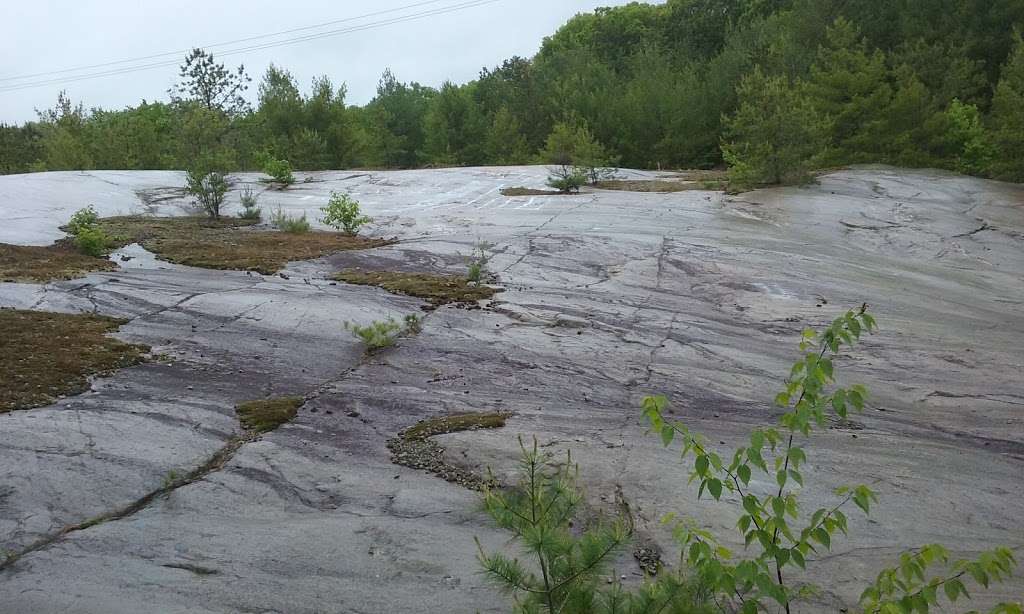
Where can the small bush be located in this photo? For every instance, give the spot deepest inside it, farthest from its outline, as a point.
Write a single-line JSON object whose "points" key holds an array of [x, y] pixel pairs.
{"points": [[83, 218], [566, 178], [342, 213], [413, 323], [280, 171], [208, 188], [93, 241], [290, 223], [478, 262], [376, 335], [384, 333], [249, 199]]}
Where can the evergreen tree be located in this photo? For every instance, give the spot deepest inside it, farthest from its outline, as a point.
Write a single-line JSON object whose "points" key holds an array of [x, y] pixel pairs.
{"points": [[775, 133], [847, 86], [505, 142], [1007, 119]]}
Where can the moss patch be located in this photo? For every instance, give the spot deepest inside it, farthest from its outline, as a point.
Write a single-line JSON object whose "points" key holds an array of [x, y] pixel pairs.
{"points": [[268, 414], [228, 243], [34, 264], [531, 192], [44, 355], [436, 289], [660, 185], [414, 447]]}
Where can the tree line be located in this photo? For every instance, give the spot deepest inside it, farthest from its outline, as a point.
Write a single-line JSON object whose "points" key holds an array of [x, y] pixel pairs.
{"points": [[770, 88]]}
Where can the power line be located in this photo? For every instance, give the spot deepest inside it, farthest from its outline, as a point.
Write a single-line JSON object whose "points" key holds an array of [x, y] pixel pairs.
{"points": [[289, 41], [214, 45]]}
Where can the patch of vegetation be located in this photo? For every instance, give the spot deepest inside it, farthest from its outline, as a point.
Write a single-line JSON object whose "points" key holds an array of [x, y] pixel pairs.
{"points": [[227, 243], [477, 269], [250, 205], [39, 264], [415, 449], [267, 414], [83, 218], [436, 289], [782, 541], [342, 213], [46, 355], [520, 191], [566, 179], [280, 171], [208, 187], [294, 224], [93, 241], [544, 511], [659, 185], [382, 334]]}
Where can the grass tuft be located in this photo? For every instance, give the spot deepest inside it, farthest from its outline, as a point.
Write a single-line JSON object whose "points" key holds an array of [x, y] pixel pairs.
{"points": [[268, 414], [46, 355]]}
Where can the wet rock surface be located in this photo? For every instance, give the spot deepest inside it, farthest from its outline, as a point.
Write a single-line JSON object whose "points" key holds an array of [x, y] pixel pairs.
{"points": [[609, 296]]}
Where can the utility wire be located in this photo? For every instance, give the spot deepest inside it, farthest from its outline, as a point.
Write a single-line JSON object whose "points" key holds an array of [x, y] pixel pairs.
{"points": [[289, 41], [214, 45]]}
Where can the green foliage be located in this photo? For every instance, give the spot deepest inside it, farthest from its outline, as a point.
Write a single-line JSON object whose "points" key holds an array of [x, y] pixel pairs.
{"points": [[92, 240], [250, 204], [81, 219], [566, 179], [848, 86], [381, 334], [1007, 121], [208, 187], [969, 146], [647, 85], [774, 134], [280, 171], [538, 511], [778, 535], [342, 213], [294, 224], [478, 260], [905, 589]]}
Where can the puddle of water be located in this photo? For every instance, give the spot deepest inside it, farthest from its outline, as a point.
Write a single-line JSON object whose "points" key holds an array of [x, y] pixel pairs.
{"points": [[134, 256]]}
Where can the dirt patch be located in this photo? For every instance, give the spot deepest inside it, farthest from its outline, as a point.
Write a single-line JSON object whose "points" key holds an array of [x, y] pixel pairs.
{"points": [[46, 355], [228, 243], [35, 264], [414, 447], [532, 192], [268, 414], [436, 289], [661, 185]]}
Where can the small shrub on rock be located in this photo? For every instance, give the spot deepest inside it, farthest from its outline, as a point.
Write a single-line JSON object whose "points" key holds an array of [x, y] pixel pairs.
{"points": [[280, 171], [290, 223], [342, 213], [83, 218], [250, 200], [93, 241]]}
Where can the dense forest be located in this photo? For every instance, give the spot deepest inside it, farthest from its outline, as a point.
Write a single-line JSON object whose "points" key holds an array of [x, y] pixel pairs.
{"points": [[770, 88]]}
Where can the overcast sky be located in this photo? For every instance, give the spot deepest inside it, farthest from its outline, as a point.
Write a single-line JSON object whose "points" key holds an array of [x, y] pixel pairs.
{"points": [[52, 35]]}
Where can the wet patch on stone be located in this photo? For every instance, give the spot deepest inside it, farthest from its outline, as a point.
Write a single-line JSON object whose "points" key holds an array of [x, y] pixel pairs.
{"points": [[46, 355], [435, 289], [415, 449], [266, 415]]}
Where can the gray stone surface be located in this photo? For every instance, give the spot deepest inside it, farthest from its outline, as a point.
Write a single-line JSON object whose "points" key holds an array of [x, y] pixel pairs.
{"points": [[609, 296]]}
